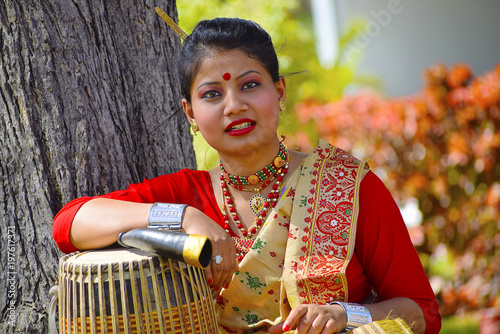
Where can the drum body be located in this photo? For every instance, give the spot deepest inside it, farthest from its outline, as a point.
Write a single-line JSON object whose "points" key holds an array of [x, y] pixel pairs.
{"points": [[132, 291]]}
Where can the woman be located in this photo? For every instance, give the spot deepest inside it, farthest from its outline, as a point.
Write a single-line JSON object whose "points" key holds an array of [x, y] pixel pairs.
{"points": [[292, 233]]}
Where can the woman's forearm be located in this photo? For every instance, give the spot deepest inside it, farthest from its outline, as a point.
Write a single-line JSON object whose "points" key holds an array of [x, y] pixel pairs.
{"points": [[99, 221], [400, 307]]}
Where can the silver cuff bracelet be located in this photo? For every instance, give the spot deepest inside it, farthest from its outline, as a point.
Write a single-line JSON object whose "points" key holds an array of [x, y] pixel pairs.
{"points": [[357, 315], [166, 216]]}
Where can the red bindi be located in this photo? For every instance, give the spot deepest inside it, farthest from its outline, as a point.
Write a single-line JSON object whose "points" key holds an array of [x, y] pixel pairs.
{"points": [[226, 76]]}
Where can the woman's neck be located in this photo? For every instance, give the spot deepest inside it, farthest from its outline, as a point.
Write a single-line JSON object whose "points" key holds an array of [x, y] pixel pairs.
{"points": [[250, 162]]}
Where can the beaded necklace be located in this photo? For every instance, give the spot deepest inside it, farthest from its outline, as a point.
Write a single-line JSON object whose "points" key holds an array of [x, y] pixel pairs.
{"points": [[262, 175], [267, 174], [244, 244]]}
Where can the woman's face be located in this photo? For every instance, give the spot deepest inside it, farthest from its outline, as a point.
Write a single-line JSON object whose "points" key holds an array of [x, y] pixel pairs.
{"points": [[235, 103]]}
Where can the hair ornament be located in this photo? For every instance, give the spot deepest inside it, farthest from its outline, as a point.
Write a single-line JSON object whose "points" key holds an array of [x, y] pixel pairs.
{"points": [[171, 23]]}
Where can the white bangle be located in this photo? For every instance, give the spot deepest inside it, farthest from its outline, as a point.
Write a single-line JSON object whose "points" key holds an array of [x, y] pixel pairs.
{"points": [[357, 315], [166, 216]]}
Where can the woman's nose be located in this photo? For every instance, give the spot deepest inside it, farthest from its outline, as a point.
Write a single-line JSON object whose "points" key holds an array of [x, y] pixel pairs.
{"points": [[234, 103]]}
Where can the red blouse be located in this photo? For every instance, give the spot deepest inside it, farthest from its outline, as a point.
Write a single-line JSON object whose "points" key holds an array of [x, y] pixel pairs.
{"points": [[384, 259]]}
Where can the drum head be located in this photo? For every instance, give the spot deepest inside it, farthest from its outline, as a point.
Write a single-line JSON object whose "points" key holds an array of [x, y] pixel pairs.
{"points": [[118, 255]]}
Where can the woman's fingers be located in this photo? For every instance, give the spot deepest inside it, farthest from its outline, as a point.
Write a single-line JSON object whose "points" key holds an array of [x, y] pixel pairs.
{"points": [[276, 329], [208, 275], [217, 269], [314, 319], [223, 263], [294, 318], [230, 268], [218, 275]]}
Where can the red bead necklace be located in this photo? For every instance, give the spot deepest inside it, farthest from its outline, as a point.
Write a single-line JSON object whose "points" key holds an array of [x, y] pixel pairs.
{"points": [[244, 244]]}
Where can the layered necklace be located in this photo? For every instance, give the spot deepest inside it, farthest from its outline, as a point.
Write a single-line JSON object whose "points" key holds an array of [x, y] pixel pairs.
{"points": [[259, 204]]}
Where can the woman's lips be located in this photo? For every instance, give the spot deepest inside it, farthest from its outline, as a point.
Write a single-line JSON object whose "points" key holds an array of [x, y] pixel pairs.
{"points": [[240, 127]]}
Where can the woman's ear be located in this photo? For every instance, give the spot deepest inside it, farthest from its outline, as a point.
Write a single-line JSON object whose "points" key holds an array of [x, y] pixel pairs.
{"points": [[188, 110], [281, 88]]}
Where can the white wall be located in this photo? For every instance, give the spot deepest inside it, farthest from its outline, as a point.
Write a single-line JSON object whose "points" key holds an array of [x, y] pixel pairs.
{"points": [[407, 36]]}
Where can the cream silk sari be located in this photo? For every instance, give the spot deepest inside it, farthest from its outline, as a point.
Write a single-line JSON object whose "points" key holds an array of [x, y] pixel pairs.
{"points": [[302, 251]]}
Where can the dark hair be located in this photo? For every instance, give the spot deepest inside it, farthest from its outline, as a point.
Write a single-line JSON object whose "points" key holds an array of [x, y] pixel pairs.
{"points": [[222, 34]]}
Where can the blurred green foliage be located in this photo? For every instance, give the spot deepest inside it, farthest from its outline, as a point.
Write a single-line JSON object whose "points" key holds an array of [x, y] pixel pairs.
{"points": [[459, 325]]}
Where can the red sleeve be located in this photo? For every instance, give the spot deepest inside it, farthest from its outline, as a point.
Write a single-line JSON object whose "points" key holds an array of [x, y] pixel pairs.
{"points": [[187, 186], [62, 224], [385, 251]]}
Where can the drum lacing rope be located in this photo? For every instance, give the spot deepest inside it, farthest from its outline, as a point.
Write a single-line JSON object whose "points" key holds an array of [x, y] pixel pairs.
{"points": [[54, 292]]}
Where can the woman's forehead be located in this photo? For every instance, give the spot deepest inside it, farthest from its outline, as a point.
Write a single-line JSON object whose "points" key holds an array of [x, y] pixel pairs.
{"points": [[232, 62]]}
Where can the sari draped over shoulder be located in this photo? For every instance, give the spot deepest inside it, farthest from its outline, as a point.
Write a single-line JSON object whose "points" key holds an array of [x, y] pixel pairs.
{"points": [[323, 227], [302, 251]]}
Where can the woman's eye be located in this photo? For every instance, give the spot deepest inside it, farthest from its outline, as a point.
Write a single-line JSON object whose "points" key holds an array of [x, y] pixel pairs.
{"points": [[250, 84], [210, 94]]}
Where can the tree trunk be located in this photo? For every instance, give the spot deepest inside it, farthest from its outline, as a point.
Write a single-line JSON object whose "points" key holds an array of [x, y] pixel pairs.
{"points": [[89, 103]]}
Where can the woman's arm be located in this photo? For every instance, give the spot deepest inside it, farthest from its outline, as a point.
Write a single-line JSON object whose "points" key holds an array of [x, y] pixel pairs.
{"points": [[98, 222], [385, 251], [93, 228], [399, 307]]}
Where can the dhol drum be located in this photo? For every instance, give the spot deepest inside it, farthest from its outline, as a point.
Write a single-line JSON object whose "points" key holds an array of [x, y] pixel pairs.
{"points": [[132, 291]]}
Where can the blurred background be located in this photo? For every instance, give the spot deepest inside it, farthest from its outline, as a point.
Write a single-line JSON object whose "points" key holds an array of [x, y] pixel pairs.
{"points": [[413, 87]]}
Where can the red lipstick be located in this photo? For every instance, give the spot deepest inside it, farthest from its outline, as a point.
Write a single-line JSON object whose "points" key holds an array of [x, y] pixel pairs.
{"points": [[240, 127]]}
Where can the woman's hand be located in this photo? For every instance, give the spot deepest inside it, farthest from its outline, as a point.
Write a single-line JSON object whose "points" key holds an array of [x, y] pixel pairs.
{"points": [[218, 275], [313, 319]]}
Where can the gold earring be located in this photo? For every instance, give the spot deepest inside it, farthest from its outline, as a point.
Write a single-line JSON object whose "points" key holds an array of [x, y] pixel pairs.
{"points": [[282, 106], [194, 127]]}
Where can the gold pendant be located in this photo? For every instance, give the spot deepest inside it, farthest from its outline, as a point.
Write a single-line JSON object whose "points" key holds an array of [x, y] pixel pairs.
{"points": [[253, 179], [278, 162], [257, 203]]}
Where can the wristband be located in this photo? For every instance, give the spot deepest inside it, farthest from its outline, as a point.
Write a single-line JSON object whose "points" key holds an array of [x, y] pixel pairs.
{"points": [[166, 216], [357, 315]]}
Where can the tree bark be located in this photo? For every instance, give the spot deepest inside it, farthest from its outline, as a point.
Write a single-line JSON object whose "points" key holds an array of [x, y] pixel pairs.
{"points": [[89, 103]]}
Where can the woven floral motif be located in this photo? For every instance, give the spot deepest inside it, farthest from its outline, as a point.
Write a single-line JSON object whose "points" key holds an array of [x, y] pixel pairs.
{"points": [[325, 238]]}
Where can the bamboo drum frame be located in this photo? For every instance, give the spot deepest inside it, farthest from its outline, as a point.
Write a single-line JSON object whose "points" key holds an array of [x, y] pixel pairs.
{"points": [[132, 291]]}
